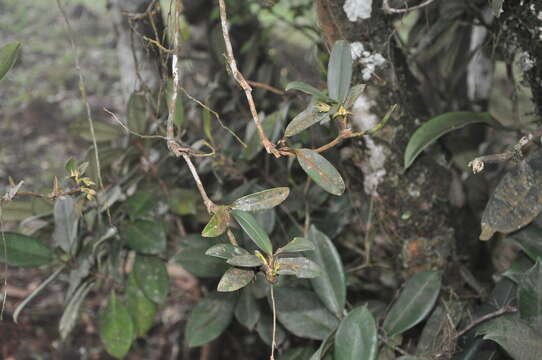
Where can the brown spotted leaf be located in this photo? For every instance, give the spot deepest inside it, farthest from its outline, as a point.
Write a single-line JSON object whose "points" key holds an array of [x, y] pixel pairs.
{"points": [[262, 200], [517, 200], [321, 171], [235, 279], [301, 267], [218, 223]]}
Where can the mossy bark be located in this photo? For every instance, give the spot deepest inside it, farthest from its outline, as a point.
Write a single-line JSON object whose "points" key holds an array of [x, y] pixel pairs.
{"points": [[412, 207]]}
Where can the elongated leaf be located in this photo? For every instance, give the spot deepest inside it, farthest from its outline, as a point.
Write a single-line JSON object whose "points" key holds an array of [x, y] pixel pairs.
{"points": [[415, 302], [225, 251], [254, 230], [22, 250], [331, 284], [116, 328], [247, 311], [530, 293], [324, 348], [303, 314], [307, 89], [139, 306], [248, 260], [304, 120], [515, 336], [210, 318], [103, 131], [66, 221], [262, 200], [339, 71], [192, 257], [145, 237], [17, 209], [35, 292], [8, 56], [152, 277], [298, 353], [357, 336], [353, 95], [321, 171], [137, 113], [141, 203], [530, 241], [296, 245], [71, 311], [301, 267], [235, 279], [438, 126], [218, 223]]}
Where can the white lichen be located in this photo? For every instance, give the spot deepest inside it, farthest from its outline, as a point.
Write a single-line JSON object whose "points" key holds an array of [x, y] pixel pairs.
{"points": [[526, 62], [356, 48], [358, 9], [371, 62], [373, 169]]}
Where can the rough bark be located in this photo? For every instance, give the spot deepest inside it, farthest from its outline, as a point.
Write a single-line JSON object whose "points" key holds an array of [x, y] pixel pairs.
{"points": [[412, 206]]}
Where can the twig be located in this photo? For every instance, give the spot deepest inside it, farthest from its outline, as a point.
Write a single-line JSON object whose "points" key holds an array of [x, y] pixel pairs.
{"points": [[515, 151], [238, 76], [83, 91], [389, 10], [175, 70], [158, 45], [474, 323], [52, 196], [274, 334], [209, 204], [266, 87]]}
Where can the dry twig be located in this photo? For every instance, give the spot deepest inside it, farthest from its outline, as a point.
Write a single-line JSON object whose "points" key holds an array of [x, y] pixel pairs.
{"points": [[238, 76], [388, 9]]}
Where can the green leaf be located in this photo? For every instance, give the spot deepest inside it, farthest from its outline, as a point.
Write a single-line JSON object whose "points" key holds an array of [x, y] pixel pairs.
{"points": [[415, 302], [520, 340], [235, 279], [247, 311], [184, 201], [530, 241], [8, 56], [339, 71], [66, 221], [225, 251], [103, 131], [140, 204], [272, 125], [331, 284], [152, 277], [324, 348], [304, 120], [530, 293], [71, 310], [254, 230], [303, 314], [296, 245], [301, 267], [139, 306], [265, 330], [357, 336], [17, 210], [71, 165], [298, 353], [412, 358], [247, 260], [353, 95], [438, 126], [22, 250], [218, 223], [144, 236], [193, 258], [116, 328], [137, 113], [210, 318], [307, 89], [321, 171], [262, 200]]}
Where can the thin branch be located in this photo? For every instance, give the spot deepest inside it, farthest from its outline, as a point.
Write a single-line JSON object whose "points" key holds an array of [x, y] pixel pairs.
{"points": [[176, 75], [514, 151], [389, 10], [158, 45], [274, 334], [209, 204], [83, 91], [52, 196], [266, 87], [501, 311], [238, 76]]}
